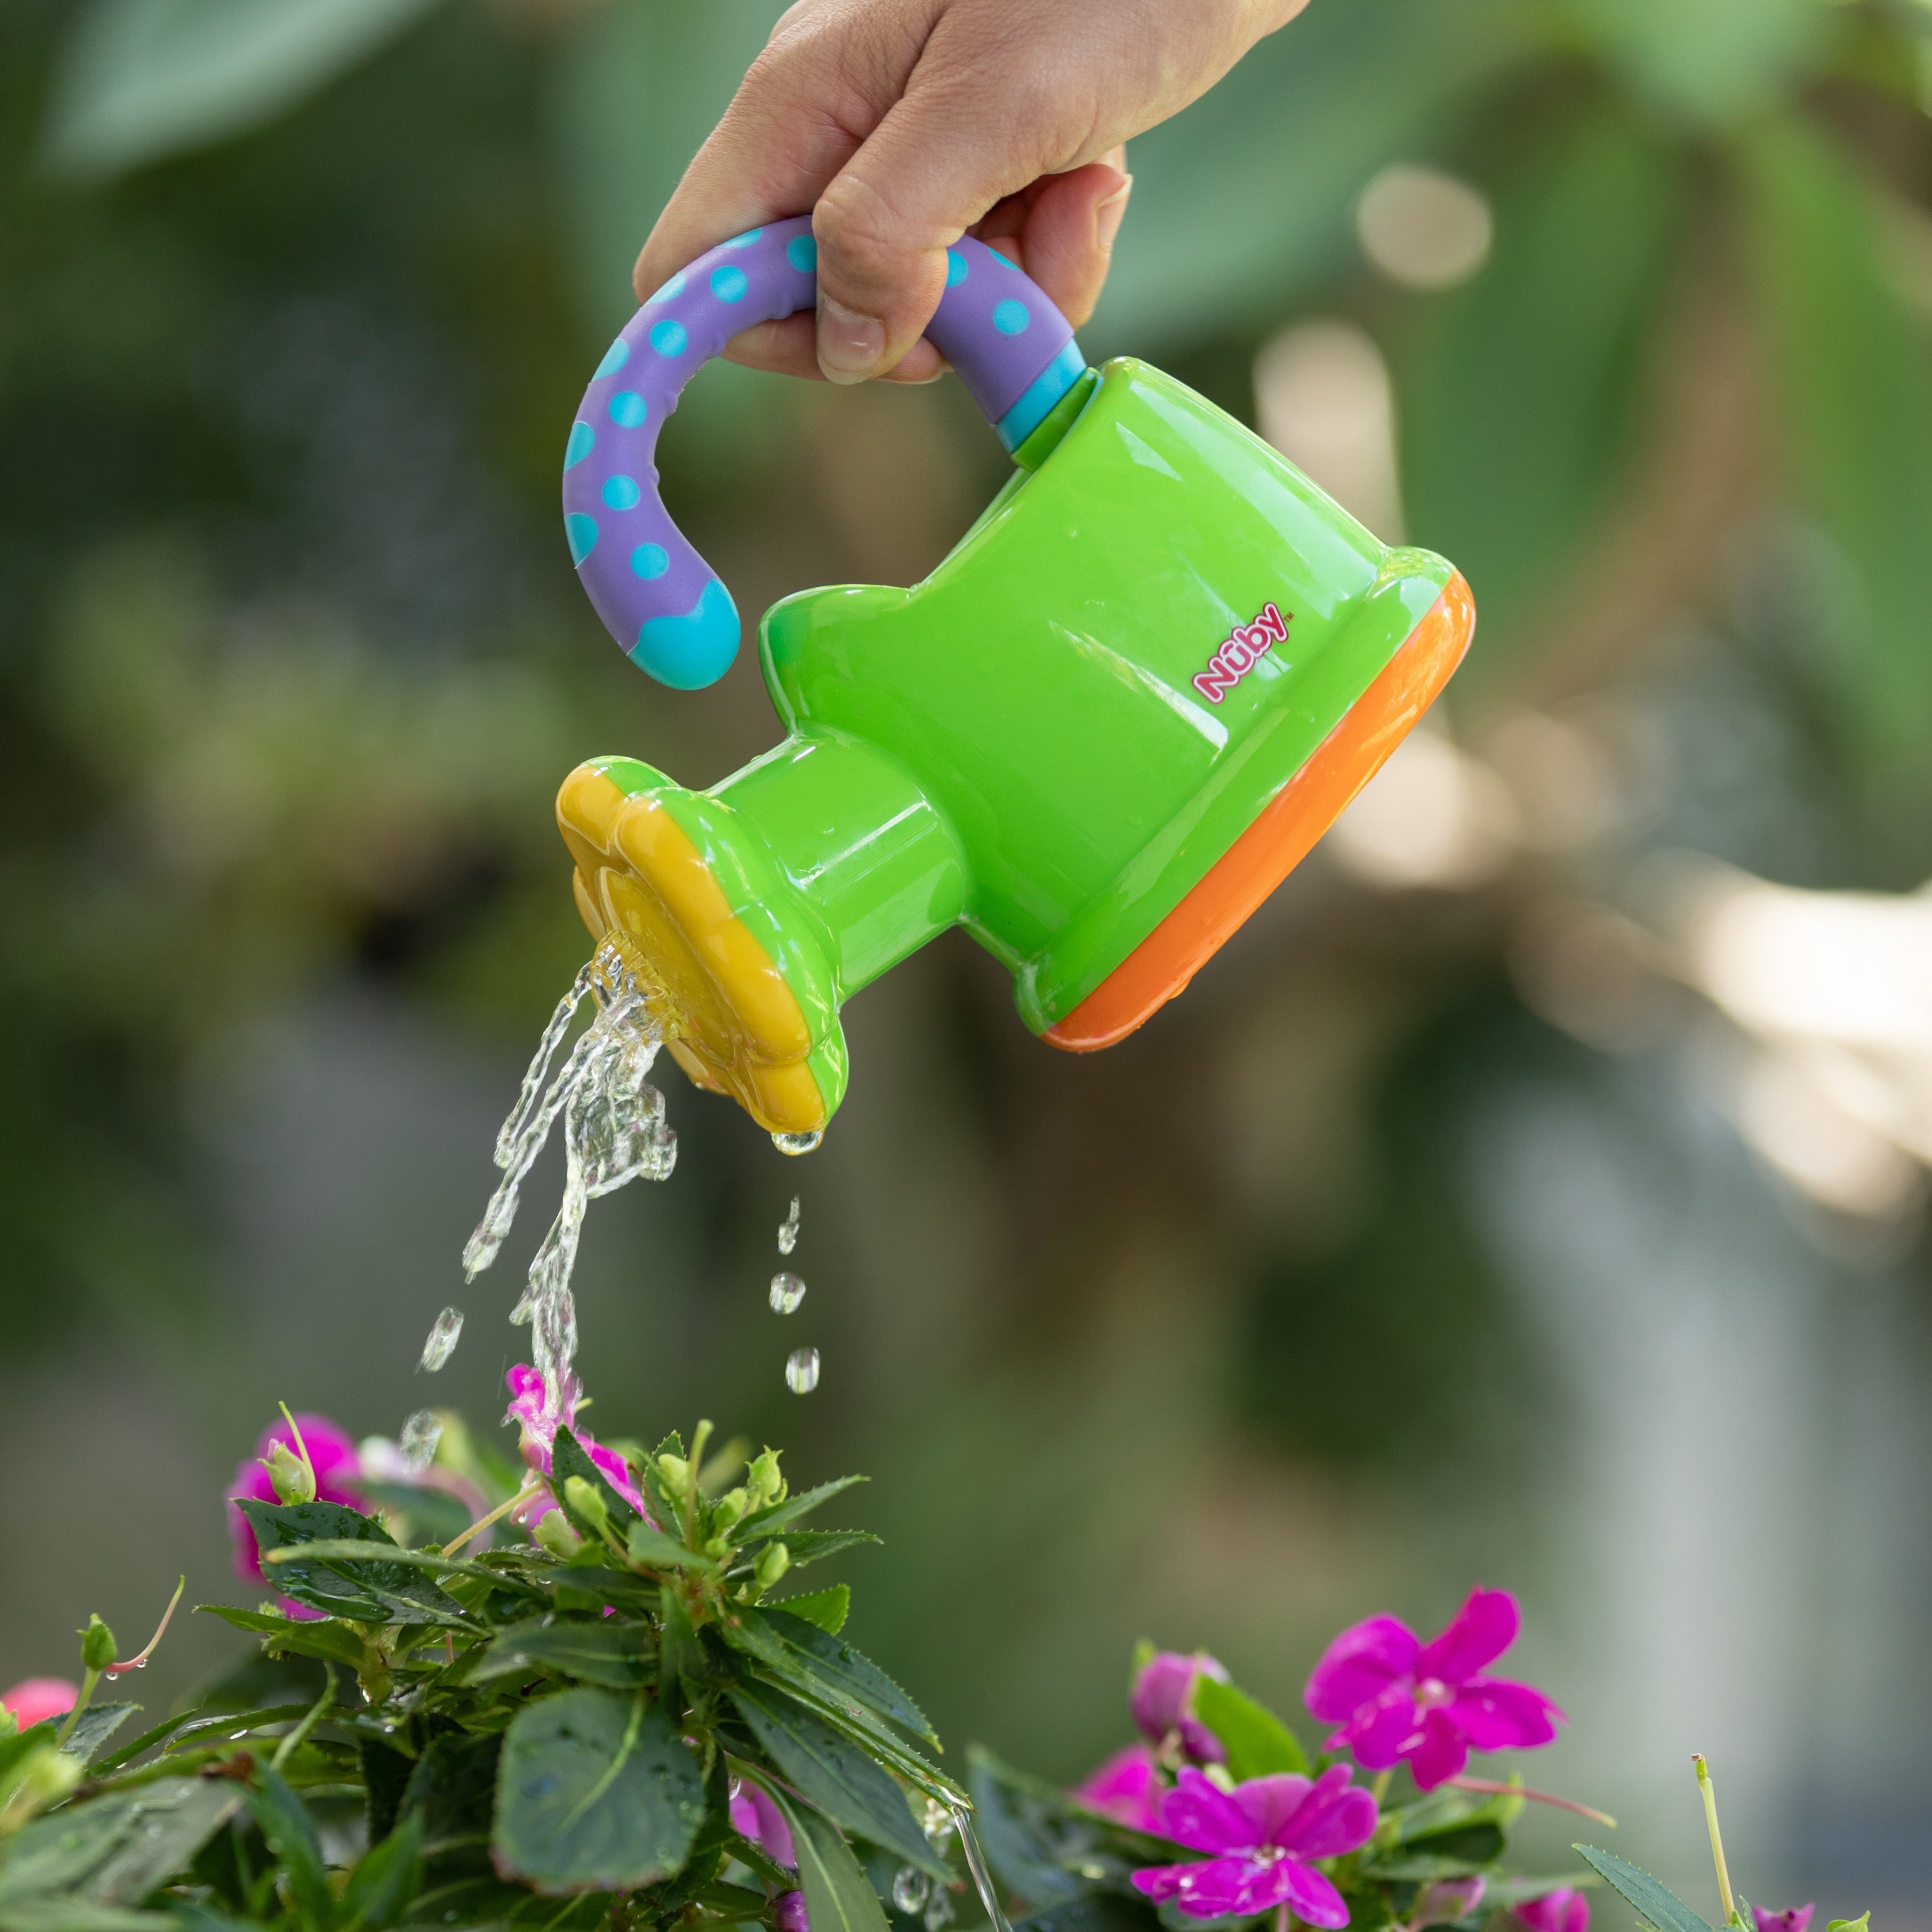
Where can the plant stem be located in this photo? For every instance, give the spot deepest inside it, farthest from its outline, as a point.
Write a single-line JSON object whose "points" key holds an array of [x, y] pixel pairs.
{"points": [[1495, 1789], [1378, 1786], [301, 1448], [297, 1738], [1710, 1798], [135, 1663], [700, 1436], [530, 1487], [87, 1686]]}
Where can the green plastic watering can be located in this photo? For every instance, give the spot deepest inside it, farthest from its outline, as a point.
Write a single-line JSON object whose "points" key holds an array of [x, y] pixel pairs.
{"points": [[1139, 688]]}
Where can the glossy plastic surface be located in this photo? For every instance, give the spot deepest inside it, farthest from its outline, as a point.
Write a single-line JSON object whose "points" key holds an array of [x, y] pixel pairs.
{"points": [[661, 601], [1058, 736]]}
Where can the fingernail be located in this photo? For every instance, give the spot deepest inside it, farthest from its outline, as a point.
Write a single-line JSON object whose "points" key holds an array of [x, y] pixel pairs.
{"points": [[850, 346], [1108, 216]]}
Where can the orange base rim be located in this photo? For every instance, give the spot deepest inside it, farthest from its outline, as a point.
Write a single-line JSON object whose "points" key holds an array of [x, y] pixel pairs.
{"points": [[1282, 836]]}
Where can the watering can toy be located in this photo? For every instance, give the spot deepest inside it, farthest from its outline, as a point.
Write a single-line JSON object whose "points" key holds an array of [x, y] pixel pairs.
{"points": [[1097, 735]]}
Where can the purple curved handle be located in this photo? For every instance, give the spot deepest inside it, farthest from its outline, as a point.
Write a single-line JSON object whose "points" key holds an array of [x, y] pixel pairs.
{"points": [[661, 601]]}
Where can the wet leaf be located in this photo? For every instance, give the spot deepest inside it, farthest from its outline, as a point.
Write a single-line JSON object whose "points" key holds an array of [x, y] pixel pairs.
{"points": [[1655, 1904], [838, 1896], [94, 1727], [391, 1589], [116, 1849], [616, 1654]]}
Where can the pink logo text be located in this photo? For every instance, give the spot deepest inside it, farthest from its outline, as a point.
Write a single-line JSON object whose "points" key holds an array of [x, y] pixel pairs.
{"points": [[1241, 652]]}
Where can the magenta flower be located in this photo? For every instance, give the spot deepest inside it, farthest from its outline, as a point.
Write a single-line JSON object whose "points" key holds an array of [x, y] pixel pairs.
{"points": [[1395, 1697], [1564, 1911], [790, 1916], [1792, 1918], [532, 1414], [1162, 1702], [753, 1815], [34, 1700], [1261, 1836], [338, 1468], [1126, 1788]]}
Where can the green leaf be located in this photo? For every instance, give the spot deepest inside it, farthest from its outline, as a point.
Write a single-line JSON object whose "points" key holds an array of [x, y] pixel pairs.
{"points": [[1531, 377], [1257, 1743], [595, 1792], [94, 1727], [845, 1667], [1655, 1903], [768, 1521], [291, 1834], [392, 1590], [680, 1655], [598, 1580], [827, 1609], [81, 1915], [653, 1546], [838, 1896], [569, 1458], [1045, 1850], [116, 1849], [331, 1642], [612, 1653], [1852, 393], [835, 1775], [808, 1546], [453, 1787], [141, 79], [385, 1880], [1861, 1924]]}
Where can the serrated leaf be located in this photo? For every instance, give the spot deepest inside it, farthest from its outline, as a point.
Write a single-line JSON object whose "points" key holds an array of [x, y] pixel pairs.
{"points": [[617, 1587], [847, 1667], [680, 1655], [291, 1834], [328, 1641], [454, 1787], [94, 1727], [872, 1735], [385, 1880], [568, 1458], [827, 1609], [615, 1654], [774, 1517], [392, 1591], [1655, 1904], [838, 1896], [812, 1545], [116, 1849], [141, 79], [832, 1774], [1257, 1742], [654, 1546], [595, 1792]]}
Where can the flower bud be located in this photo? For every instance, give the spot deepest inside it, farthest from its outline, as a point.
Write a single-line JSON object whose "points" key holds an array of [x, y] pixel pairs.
{"points": [[764, 1485], [728, 1508], [674, 1472], [773, 1562], [554, 1533], [587, 1501], [97, 1647], [1447, 1899], [293, 1479]]}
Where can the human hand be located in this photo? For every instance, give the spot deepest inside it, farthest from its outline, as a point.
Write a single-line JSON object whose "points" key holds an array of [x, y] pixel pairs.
{"points": [[903, 124]]}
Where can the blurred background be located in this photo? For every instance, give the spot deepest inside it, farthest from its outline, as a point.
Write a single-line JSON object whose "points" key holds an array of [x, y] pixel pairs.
{"points": [[1534, 1193]]}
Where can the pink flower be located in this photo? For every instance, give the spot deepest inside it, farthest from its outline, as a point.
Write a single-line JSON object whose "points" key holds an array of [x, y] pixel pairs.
{"points": [[338, 1472], [1395, 1697], [1792, 1918], [532, 1414], [1261, 1833], [1162, 1702], [1126, 1788], [34, 1700], [1555, 1912], [1447, 1900], [790, 1916], [753, 1815]]}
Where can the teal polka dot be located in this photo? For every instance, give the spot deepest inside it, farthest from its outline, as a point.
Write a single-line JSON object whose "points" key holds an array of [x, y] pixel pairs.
{"points": [[650, 560], [745, 240], [667, 338], [729, 284], [582, 532], [1011, 318], [675, 287], [582, 441], [615, 357], [628, 409], [802, 252], [621, 493], [955, 268]]}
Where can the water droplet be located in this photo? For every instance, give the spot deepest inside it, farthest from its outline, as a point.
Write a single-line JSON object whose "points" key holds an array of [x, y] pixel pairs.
{"points": [[801, 1371], [442, 1339], [798, 1143], [788, 1229], [787, 1291], [939, 1910], [421, 1434], [935, 1821], [910, 1887]]}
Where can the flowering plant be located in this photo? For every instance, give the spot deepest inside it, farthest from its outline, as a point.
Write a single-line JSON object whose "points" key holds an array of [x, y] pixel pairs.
{"points": [[611, 1721]]}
